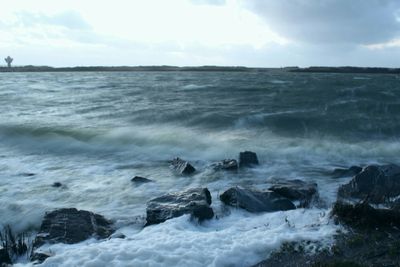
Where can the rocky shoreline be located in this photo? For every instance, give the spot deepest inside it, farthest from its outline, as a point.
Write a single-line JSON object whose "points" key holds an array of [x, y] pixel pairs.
{"points": [[368, 206]]}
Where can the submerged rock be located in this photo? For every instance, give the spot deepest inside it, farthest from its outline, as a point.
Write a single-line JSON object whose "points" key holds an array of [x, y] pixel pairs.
{"points": [[195, 202], [248, 159], [346, 172], [72, 226], [226, 164], [256, 201], [140, 180], [378, 183], [56, 184], [298, 190], [182, 167]]}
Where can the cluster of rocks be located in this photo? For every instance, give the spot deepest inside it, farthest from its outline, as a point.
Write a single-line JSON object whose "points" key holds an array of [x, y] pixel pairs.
{"points": [[355, 206], [369, 204], [71, 226]]}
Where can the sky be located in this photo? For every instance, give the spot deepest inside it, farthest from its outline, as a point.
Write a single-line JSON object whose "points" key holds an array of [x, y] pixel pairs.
{"points": [[253, 33]]}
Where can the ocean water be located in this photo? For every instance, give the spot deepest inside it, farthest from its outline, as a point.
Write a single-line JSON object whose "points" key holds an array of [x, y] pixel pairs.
{"points": [[94, 131]]}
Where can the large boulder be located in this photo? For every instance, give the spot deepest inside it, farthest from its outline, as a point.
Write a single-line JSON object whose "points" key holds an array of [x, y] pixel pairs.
{"points": [[377, 183], [4, 257], [195, 201], [297, 190], [364, 215], [180, 166], [226, 164], [346, 172], [71, 226], [247, 159], [256, 201]]}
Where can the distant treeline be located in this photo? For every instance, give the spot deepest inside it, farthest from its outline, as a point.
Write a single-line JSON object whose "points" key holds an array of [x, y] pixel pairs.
{"points": [[126, 68], [348, 70], [31, 68]]}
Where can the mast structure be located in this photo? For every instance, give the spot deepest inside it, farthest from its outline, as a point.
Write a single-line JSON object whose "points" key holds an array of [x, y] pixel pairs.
{"points": [[8, 61]]}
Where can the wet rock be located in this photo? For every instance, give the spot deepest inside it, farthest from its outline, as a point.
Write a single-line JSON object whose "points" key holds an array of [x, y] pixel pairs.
{"points": [[364, 215], [379, 183], [140, 180], [71, 226], [40, 257], [56, 184], [346, 172], [27, 174], [297, 190], [256, 201], [247, 159], [194, 201], [182, 167], [226, 164], [118, 235], [4, 257]]}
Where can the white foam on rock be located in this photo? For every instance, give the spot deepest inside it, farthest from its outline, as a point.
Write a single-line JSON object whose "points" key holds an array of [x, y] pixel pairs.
{"points": [[239, 239]]}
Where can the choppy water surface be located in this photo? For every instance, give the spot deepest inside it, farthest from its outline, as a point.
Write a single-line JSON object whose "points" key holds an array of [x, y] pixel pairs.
{"points": [[94, 131]]}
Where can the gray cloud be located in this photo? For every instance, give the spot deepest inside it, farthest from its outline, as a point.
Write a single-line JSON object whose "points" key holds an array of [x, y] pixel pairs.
{"points": [[68, 19], [331, 21]]}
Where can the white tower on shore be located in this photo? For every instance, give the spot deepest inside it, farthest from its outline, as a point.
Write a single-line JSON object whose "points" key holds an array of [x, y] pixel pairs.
{"points": [[9, 60]]}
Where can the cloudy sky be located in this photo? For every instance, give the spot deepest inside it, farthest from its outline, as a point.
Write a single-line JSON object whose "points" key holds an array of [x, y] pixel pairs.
{"points": [[263, 33]]}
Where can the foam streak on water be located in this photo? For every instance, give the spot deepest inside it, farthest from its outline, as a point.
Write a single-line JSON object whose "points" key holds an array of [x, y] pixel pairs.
{"points": [[94, 131]]}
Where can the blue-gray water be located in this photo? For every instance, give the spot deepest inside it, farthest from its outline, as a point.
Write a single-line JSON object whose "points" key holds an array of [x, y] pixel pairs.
{"points": [[94, 131]]}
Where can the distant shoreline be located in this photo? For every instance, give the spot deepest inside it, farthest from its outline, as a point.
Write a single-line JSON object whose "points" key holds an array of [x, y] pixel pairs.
{"points": [[346, 69]]}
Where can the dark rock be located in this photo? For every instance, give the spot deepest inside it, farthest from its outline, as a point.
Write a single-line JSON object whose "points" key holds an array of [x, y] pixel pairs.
{"points": [[27, 174], [194, 201], [40, 257], [182, 167], [298, 190], [256, 201], [378, 183], [226, 164], [72, 226], [140, 180], [343, 172], [118, 235], [247, 159], [4, 256], [56, 184], [364, 215]]}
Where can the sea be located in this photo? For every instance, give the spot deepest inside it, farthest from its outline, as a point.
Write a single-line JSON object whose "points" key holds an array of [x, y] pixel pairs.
{"points": [[93, 131]]}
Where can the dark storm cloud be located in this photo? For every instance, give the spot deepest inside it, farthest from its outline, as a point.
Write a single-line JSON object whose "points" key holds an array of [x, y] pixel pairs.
{"points": [[331, 21], [69, 19]]}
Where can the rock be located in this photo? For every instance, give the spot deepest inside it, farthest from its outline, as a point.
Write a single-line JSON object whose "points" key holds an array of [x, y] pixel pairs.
{"points": [[182, 167], [27, 174], [247, 159], [140, 180], [118, 235], [298, 190], [364, 215], [256, 201], [343, 172], [378, 183], [194, 201], [226, 164], [56, 184], [71, 226], [40, 257], [4, 256]]}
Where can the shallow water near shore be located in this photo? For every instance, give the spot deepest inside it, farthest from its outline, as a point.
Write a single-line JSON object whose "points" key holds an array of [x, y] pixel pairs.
{"points": [[94, 131]]}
